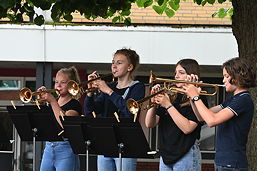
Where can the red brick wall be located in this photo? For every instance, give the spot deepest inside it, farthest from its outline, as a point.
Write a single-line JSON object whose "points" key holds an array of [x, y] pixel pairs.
{"points": [[189, 13]]}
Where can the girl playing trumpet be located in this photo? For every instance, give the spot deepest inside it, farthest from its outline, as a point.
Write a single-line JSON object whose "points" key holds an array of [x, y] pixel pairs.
{"points": [[233, 117], [179, 129], [59, 155], [113, 99]]}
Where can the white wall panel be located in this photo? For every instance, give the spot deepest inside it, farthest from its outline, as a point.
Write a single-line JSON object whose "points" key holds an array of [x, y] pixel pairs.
{"points": [[96, 44], [21, 43]]}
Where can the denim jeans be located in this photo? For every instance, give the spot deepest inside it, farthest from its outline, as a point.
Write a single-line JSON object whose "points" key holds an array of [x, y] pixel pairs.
{"points": [[113, 164], [191, 161], [225, 168], [58, 156]]}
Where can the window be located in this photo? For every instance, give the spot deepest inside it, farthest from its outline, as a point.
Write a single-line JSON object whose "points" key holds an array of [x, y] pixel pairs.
{"points": [[10, 84]]}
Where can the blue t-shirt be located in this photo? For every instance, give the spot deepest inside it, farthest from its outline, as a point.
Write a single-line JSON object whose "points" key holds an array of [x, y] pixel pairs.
{"points": [[232, 135]]}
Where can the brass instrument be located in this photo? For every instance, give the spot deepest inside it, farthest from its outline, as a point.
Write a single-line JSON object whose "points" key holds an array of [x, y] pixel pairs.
{"points": [[168, 86], [75, 88], [134, 105], [26, 94], [154, 79]]}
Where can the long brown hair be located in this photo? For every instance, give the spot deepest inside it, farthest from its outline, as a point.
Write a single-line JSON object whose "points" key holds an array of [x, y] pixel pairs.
{"points": [[191, 66]]}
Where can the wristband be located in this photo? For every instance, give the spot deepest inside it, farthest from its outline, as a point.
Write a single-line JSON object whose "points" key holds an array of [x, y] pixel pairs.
{"points": [[167, 108]]}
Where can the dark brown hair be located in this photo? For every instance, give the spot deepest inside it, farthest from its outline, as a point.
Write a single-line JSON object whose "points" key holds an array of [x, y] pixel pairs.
{"points": [[241, 71], [190, 65]]}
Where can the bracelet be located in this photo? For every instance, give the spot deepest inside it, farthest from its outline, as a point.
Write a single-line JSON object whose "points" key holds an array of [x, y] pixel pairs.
{"points": [[167, 108]]}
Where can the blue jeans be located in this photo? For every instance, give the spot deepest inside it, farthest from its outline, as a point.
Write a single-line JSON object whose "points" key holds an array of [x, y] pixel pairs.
{"points": [[191, 161], [113, 164], [225, 168], [58, 156]]}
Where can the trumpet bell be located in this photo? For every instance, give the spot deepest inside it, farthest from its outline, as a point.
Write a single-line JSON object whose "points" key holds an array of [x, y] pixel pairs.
{"points": [[73, 88], [133, 106], [25, 95]]}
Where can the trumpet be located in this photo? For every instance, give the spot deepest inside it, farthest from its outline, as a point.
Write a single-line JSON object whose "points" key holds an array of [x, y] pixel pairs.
{"points": [[75, 88], [154, 79], [134, 105], [168, 86], [26, 94]]}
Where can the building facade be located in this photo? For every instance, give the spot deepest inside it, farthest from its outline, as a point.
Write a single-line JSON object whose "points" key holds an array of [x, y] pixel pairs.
{"points": [[30, 56]]}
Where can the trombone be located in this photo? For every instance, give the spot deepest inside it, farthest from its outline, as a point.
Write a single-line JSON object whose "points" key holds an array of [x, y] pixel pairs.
{"points": [[75, 88], [26, 94]]}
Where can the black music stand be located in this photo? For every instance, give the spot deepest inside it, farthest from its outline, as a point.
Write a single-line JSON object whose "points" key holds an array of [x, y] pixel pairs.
{"points": [[35, 124], [6, 157], [3, 136], [106, 136]]}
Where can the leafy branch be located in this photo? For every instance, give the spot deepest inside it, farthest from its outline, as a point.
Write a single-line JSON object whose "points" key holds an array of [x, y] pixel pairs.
{"points": [[16, 10], [117, 10]]}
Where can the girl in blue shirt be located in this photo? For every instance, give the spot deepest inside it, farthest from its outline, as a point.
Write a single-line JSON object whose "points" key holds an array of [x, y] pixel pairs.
{"points": [[233, 117], [113, 99]]}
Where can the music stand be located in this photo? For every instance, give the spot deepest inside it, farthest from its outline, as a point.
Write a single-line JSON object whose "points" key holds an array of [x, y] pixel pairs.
{"points": [[3, 136], [106, 136], [6, 156], [35, 124]]}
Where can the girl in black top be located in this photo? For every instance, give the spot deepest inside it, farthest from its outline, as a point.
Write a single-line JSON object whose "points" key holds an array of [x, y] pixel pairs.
{"points": [[179, 128], [59, 155]]}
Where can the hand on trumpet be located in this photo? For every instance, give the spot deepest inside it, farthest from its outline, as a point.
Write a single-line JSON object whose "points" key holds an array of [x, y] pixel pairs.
{"points": [[192, 90], [161, 99], [155, 89], [103, 87], [45, 96], [98, 84], [91, 85]]}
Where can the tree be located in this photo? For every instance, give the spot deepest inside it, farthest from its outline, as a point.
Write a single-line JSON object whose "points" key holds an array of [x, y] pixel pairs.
{"points": [[244, 26]]}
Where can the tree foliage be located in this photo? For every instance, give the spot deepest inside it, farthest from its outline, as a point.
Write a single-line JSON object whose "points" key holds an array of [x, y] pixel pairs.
{"points": [[117, 10], [16, 10]]}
